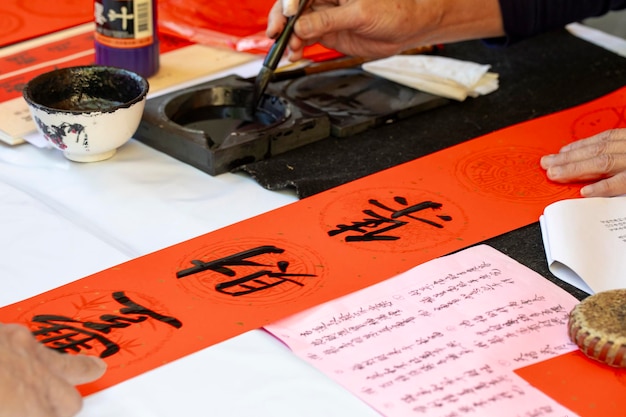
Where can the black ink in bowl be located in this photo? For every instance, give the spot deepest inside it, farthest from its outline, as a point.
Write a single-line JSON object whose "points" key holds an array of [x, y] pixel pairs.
{"points": [[86, 89]]}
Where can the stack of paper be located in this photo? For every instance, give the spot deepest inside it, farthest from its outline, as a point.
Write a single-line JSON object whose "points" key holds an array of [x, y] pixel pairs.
{"points": [[438, 75], [585, 242]]}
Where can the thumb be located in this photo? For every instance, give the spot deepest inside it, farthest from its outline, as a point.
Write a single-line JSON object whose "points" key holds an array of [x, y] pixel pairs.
{"points": [[318, 23], [75, 369], [83, 369]]}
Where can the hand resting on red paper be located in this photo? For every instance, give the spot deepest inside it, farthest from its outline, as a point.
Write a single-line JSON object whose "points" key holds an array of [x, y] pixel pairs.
{"points": [[36, 381], [601, 157]]}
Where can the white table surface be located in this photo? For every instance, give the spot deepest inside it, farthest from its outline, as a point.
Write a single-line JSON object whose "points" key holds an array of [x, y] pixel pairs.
{"points": [[61, 221]]}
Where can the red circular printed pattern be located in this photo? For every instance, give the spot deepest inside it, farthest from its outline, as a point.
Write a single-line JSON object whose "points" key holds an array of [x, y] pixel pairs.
{"points": [[508, 174], [106, 323], [9, 23], [251, 272], [598, 121], [394, 220]]}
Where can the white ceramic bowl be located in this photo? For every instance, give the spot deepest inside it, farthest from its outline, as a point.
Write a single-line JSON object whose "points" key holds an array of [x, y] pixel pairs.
{"points": [[89, 111]]}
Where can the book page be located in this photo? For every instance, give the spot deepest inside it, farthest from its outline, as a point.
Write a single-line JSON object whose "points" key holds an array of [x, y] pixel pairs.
{"points": [[442, 339], [585, 242]]}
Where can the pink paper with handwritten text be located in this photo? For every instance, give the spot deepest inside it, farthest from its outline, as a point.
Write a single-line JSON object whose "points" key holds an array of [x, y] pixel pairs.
{"points": [[442, 339]]}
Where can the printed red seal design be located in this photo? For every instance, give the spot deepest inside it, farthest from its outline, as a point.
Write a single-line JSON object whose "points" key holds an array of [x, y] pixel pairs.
{"points": [[9, 23], [251, 272], [598, 121], [510, 174], [393, 219], [106, 323]]}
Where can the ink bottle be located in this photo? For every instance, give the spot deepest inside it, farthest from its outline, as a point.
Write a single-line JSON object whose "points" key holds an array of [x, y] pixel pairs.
{"points": [[126, 35]]}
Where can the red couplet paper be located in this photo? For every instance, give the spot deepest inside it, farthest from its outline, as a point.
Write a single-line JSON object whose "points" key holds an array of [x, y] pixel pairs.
{"points": [[587, 387], [19, 68], [21, 20], [239, 25], [154, 309]]}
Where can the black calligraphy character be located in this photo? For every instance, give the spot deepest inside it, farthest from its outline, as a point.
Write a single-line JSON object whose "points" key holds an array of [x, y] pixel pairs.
{"points": [[64, 337], [221, 265], [10, 87], [373, 227], [66, 334], [24, 59], [134, 308], [257, 281]]}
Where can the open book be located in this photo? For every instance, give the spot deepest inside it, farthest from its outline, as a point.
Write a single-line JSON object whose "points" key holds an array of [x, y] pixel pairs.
{"points": [[585, 242]]}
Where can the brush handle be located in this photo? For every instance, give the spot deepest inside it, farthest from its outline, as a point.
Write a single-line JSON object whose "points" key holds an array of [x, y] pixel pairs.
{"points": [[335, 64], [277, 50]]}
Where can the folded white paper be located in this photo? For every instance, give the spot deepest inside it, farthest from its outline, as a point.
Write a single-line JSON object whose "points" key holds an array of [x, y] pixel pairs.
{"points": [[441, 76], [585, 242]]}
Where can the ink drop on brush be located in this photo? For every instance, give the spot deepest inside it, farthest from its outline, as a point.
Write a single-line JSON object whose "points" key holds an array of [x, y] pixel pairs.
{"points": [[126, 35]]}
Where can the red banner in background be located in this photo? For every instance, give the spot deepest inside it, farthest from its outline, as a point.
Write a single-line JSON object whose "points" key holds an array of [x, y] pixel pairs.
{"points": [[234, 20], [18, 68], [21, 20], [238, 25]]}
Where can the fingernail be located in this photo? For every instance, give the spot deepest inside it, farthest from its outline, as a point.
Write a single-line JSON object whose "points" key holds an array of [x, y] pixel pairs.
{"points": [[102, 365], [550, 159], [554, 172], [586, 191]]}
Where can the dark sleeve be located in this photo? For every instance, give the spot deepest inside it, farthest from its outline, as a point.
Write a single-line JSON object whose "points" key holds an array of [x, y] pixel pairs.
{"points": [[525, 18]]}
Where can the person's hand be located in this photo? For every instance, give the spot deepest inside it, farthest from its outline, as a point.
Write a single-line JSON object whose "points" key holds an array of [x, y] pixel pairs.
{"points": [[374, 28], [36, 381], [601, 157]]}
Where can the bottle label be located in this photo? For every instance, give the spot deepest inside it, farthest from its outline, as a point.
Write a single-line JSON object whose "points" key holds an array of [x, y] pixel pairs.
{"points": [[124, 23]]}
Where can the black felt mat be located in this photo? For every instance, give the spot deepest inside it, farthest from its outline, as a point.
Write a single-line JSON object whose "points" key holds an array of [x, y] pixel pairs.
{"points": [[538, 76]]}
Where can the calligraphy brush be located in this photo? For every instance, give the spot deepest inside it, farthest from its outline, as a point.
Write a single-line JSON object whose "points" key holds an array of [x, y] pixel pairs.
{"points": [[339, 63], [283, 74], [274, 56]]}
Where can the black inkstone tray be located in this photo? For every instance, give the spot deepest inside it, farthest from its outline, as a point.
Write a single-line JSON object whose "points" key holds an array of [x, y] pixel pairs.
{"points": [[211, 126]]}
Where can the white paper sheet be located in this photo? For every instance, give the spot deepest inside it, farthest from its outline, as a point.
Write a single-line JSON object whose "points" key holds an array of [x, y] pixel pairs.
{"points": [[585, 242]]}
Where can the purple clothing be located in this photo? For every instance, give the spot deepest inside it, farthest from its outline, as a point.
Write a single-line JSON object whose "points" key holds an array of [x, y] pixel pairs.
{"points": [[525, 18]]}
